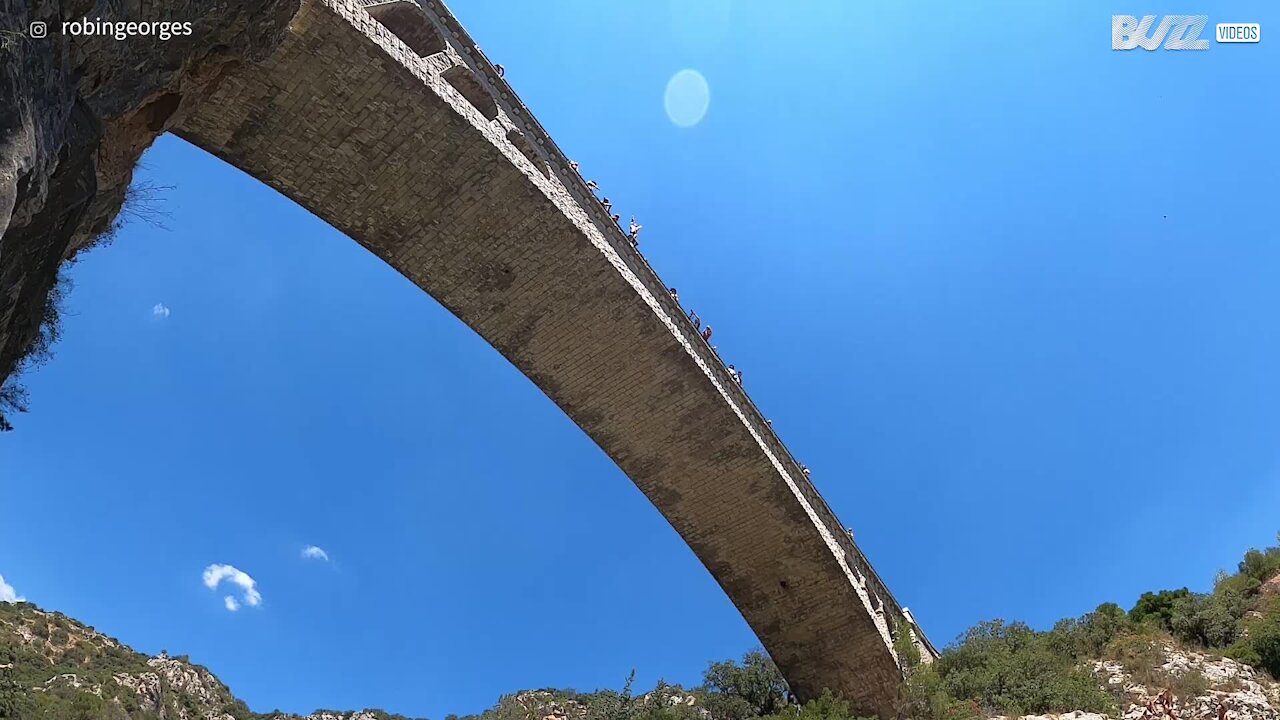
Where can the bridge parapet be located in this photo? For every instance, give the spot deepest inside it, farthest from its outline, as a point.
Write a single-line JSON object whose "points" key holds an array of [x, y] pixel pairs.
{"points": [[464, 50]]}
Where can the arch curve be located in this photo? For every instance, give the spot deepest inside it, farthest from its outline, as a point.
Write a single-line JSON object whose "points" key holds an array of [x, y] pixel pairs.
{"points": [[402, 167]]}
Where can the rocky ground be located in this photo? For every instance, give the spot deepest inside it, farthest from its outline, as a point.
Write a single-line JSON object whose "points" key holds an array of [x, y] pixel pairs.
{"points": [[1245, 693], [1207, 683]]}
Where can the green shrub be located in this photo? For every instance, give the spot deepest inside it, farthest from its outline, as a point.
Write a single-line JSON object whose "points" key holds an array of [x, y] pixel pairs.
{"points": [[1262, 646], [924, 696], [1266, 644], [1010, 669], [754, 688], [1238, 585], [1261, 565], [905, 647], [1186, 685], [824, 707], [1137, 649], [1157, 607], [1088, 636], [1211, 621], [1242, 652]]}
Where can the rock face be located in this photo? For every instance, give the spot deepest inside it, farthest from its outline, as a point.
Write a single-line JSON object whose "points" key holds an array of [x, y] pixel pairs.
{"points": [[76, 112], [1246, 693], [1200, 684], [1270, 589]]}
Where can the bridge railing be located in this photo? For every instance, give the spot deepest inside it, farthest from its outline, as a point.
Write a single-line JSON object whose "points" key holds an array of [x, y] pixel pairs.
{"points": [[575, 184]]}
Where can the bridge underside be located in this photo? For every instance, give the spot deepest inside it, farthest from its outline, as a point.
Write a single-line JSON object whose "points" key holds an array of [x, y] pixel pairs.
{"points": [[430, 162]]}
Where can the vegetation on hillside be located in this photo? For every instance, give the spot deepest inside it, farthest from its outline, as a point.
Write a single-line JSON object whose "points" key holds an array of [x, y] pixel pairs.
{"points": [[752, 689], [52, 668], [1003, 668], [994, 668]]}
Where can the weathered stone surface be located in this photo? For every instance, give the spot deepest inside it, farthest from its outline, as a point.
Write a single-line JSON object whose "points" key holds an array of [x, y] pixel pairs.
{"points": [[75, 114], [1245, 693], [434, 166], [427, 158]]}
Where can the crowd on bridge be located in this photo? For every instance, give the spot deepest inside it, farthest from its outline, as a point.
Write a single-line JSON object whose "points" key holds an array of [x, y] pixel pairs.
{"points": [[633, 234]]}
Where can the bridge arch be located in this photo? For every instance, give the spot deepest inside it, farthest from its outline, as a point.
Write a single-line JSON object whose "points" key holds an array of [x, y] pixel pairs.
{"points": [[462, 192]]}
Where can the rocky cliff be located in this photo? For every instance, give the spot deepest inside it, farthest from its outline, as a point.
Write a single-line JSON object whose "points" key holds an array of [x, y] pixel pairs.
{"points": [[76, 112], [1199, 686]]}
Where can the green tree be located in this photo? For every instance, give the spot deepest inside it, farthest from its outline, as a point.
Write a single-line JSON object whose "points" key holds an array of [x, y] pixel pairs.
{"points": [[754, 688], [1157, 607], [1208, 620], [1261, 565]]}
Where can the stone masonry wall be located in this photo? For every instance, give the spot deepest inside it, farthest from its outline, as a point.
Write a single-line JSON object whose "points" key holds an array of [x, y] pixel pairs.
{"points": [[432, 164]]}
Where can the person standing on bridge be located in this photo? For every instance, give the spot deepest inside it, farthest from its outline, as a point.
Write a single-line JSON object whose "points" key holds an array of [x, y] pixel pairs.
{"points": [[674, 295], [592, 185], [607, 205], [706, 334], [633, 231], [736, 375], [693, 318]]}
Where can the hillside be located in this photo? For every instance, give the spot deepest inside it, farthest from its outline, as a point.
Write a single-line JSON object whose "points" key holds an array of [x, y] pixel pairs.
{"points": [[1176, 655], [54, 668]]}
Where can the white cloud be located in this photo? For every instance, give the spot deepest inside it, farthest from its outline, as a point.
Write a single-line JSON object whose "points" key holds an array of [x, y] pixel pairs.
{"points": [[160, 311], [215, 574], [312, 552], [8, 594]]}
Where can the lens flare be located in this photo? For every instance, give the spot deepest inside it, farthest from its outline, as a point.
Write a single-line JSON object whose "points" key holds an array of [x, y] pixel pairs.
{"points": [[687, 98]]}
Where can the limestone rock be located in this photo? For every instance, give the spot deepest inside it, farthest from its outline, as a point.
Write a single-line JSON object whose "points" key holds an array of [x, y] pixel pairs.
{"points": [[77, 111], [1246, 693]]}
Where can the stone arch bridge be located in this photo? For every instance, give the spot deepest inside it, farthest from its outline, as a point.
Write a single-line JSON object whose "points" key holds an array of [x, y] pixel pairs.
{"points": [[383, 118]]}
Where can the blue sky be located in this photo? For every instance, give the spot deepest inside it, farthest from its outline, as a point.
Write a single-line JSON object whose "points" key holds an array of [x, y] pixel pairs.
{"points": [[1010, 294]]}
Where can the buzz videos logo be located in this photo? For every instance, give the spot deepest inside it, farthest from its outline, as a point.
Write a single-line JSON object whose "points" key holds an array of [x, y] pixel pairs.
{"points": [[1176, 32]]}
